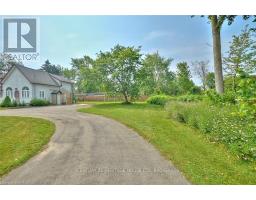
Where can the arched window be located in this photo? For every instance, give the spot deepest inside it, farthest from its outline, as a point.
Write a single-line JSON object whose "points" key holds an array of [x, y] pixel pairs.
{"points": [[9, 92], [25, 92]]}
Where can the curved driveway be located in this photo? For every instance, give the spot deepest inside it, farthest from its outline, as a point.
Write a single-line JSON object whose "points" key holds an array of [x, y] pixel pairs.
{"points": [[90, 149]]}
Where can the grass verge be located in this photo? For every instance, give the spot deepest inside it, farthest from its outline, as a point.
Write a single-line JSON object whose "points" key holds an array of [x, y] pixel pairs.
{"points": [[201, 161], [20, 139]]}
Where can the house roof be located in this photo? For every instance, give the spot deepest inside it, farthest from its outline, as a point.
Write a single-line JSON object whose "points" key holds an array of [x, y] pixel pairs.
{"points": [[37, 76], [61, 78]]}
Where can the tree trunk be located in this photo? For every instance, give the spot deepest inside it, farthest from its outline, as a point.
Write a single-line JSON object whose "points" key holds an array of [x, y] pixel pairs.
{"points": [[234, 83], [126, 97], [219, 84]]}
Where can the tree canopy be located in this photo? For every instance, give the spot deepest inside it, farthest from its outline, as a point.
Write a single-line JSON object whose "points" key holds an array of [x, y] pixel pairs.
{"points": [[155, 75], [50, 68], [120, 67]]}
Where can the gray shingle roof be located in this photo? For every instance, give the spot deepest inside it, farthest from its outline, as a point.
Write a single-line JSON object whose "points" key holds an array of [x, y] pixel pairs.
{"points": [[61, 78], [37, 76]]}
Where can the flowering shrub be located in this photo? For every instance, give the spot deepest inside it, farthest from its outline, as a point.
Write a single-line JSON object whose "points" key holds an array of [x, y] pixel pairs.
{"points": [[220, 124]]}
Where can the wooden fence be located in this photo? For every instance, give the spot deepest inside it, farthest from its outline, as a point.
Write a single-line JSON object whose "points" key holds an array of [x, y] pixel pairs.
{"points": [[103, 97]]}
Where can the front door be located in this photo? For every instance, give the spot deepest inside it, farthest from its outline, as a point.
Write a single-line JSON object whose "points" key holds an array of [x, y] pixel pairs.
{"points": [[54, 99], [59, 99], [17, 95]]}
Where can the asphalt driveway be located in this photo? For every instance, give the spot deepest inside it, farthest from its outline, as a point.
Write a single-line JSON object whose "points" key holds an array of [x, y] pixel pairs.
{"points": [[90, 149]]}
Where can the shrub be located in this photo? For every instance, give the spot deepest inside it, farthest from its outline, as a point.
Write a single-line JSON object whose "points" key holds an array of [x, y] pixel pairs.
{"points": [[228, 97], [195, 90], [39, 102], [158, 99], [220, 125], [163, 99], [6, 102]]}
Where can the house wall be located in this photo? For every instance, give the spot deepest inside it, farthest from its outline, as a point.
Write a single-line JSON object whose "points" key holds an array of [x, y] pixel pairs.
{"points": [[66, 87], [17, 80], [47, 91], [67, 96]]}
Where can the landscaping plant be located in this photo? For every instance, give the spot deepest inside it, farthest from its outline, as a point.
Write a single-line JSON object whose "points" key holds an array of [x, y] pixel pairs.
{"points": [[39, 102], [220, 124]]}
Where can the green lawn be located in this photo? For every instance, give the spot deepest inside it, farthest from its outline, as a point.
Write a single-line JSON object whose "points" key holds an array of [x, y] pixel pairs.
{"points": [[20, 139], [199, 160]]}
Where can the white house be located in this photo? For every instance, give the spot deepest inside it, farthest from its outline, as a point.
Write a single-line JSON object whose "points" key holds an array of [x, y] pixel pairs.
{"points": [[23, 84]]}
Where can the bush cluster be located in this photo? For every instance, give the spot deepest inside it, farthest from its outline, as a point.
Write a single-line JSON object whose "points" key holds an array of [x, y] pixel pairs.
{"points": [[8, 103], [220, 124], [158, 99], [229, 97], [163, 99], [39, 102]]}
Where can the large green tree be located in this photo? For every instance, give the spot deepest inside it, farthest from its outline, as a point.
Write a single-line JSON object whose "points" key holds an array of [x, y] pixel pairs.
{"points": [[184, 80], [241, 55], [120, 68], [155, 75], [50, 68], [88, 78]]}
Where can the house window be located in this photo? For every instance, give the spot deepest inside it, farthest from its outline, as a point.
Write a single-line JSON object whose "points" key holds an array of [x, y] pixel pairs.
{"points": [[9, 92], [41, 94], [25, 92]]}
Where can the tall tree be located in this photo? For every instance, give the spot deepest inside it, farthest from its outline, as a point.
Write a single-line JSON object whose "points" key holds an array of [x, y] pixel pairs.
{"points": [[210, 80], [69, 73], [201, 69], [155, 75], [184, 77], [241, 55], [120, 67], [216, 24], [88, 78], [50, 68]]}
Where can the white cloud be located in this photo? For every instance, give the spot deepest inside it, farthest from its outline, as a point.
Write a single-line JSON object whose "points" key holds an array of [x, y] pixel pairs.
{"points": [[157, 34]]}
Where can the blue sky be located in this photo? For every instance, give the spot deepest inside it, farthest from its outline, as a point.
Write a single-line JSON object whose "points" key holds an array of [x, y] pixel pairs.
{"points": [[179, 37]]}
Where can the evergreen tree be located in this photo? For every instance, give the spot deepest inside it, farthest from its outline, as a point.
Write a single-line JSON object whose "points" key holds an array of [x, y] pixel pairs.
{"points": [[184, 78], [241, 55]]}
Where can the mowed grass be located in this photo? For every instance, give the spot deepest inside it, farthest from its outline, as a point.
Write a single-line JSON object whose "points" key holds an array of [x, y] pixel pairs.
{"points": [[20, 139], [199, 160]]}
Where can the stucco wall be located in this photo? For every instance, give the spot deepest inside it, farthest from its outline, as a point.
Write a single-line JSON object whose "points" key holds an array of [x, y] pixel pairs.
{"points": [[17, 80], [47, 91]]}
